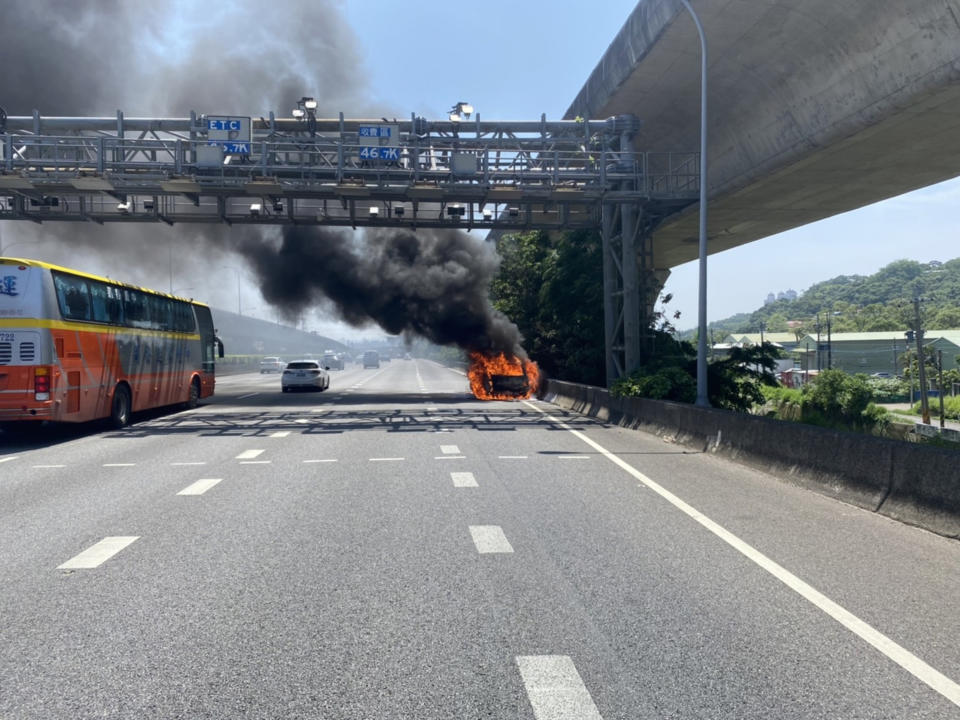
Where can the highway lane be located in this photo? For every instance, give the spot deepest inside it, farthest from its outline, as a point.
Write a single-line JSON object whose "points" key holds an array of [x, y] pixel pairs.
{"points": [[394, 548]]}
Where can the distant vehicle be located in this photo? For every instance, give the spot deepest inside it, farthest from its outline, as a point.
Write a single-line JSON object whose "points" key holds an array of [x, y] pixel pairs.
{"points": [[883, 375], [304, 375], [332, 361], [76, 347], [371, 359], [271, 364]]}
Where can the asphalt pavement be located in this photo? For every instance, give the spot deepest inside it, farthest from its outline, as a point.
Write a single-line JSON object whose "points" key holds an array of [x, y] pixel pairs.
{"points": [[394, 548]]}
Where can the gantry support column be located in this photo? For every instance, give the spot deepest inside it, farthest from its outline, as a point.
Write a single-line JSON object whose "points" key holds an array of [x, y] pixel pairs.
{"points": [[610, 288]]}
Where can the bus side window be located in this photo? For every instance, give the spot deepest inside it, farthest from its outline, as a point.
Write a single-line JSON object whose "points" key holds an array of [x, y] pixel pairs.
{"points": [[160, 312], [135, 308], [114, 305], [73, 297], [98, 300]]}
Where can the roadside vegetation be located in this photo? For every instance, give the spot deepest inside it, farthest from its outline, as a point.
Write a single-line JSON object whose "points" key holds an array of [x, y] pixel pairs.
{"points": [[859, 303], [551, 286]]}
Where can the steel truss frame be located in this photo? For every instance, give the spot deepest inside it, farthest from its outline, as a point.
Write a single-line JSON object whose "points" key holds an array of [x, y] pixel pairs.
{"points": [[518, 175]]}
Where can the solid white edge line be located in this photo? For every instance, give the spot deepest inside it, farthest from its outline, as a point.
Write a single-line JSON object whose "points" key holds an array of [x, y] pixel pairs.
{"points": [[555, 689], [98, 553], [200, 486], [900, 655]]}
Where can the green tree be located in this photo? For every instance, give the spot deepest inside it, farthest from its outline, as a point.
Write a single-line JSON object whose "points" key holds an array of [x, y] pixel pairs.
{"points": [[551, 286]]}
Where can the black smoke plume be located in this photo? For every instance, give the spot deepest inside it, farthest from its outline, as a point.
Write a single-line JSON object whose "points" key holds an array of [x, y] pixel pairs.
{"points": [[433, 284], [163, 58]]}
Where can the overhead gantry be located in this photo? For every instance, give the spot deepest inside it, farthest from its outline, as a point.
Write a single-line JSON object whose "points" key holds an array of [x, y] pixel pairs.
{"points": [[413, 173]]}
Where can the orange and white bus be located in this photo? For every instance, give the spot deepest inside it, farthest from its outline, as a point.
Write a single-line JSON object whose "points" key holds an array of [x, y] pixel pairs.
{"points": [[76, 347]]}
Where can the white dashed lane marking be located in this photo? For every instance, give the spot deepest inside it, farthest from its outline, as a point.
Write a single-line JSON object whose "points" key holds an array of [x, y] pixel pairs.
{"points": [[573, 457], [48, 466], [387, 459], [99, 553], [324, 460], [449, 449], [189, 463], [248, 454], [280, 433], [555, 688], [463, 479], [512, 457], [490, 539], [255, 462], [248, 395], [119, 464], [200, 486], [9, 458]]}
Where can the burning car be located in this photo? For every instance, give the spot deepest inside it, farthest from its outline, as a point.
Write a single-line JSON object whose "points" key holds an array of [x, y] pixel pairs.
{"points": [[502, 377]]}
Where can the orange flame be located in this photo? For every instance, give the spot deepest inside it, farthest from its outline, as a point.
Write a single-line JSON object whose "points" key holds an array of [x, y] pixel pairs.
{"points": [[502, 377]]}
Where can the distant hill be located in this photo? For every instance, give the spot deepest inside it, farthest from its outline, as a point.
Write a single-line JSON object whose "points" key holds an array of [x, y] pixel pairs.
{"points": [[858, 303]]}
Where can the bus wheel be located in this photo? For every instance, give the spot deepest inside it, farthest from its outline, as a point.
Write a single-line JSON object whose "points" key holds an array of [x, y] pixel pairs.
{"points": [[194, 398], [120, 407]]}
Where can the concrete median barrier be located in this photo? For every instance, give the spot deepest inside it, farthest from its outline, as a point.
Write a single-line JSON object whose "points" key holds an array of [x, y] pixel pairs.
{"points": [[913, 483]]}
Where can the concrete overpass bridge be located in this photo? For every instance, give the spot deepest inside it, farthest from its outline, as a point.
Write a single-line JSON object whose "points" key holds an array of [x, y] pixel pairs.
{"points": [[816, 107]]}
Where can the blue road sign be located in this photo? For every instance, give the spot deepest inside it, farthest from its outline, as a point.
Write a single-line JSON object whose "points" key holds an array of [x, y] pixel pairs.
{"points": [[380, 153], [376, 131], [232, 148], [225, 124]]}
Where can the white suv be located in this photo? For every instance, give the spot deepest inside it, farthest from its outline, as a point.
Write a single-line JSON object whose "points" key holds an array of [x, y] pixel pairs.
{"points": [[271, 364]]}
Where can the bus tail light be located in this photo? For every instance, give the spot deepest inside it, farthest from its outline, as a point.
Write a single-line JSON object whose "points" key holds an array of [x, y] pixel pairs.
{"points": [[41, 383]]}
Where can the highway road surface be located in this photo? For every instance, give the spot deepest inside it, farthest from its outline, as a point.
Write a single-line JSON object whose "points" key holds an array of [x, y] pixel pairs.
{"points": [[393, 548]]}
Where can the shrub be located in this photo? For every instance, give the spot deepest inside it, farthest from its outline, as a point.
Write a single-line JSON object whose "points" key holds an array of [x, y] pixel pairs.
{"points": [[836, 399], [889, 390], [951, 407]]}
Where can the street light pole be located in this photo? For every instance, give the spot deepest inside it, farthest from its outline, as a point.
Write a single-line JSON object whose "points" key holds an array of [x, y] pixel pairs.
{"points": [[702, 396], [237, 271], [921, 362]]}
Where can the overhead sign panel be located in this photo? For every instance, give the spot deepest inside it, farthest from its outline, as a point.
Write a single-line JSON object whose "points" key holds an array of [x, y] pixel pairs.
{"points": [[380, 153], [375, 142], [231, 133]]}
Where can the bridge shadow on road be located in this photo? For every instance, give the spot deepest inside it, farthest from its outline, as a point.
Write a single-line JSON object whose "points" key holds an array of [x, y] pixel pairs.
{"points": [[319, 414]]}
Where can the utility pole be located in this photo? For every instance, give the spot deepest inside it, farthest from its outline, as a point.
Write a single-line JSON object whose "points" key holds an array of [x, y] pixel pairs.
{"points": [[921, 364], [829, 346], [940, 385], [895, 368], [818, 342]]}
